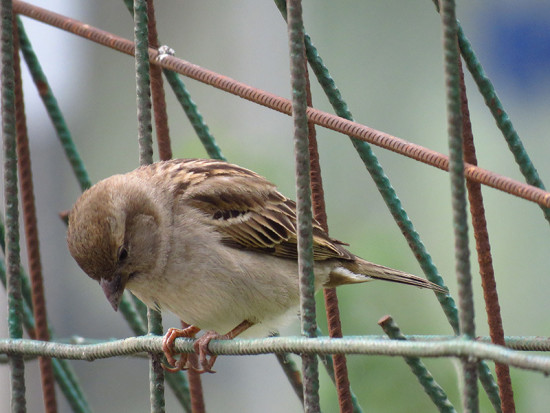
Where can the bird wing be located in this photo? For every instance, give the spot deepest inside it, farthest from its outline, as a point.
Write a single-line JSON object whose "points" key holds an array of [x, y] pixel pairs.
{"points": [[248, 210]]}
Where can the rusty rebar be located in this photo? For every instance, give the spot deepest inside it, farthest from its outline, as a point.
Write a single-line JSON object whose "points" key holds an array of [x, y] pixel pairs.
{"points": [[330, 295], [485, 260], [31, 233], [195, 382], [195, 386], [165, 153], [327, 120], [157, 91]]}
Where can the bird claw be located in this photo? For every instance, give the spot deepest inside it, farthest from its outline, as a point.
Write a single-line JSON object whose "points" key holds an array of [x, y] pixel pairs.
{"points": [[201, 348], [168, 341], [205, 360], [175, 368]]}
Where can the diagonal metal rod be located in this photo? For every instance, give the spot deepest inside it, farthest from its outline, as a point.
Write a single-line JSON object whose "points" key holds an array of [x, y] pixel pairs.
{"points": [[54, 112], [64, 374], [327, 120], [503, 121], [75, 396], [431, 387], [213, 150], [392, 201]]}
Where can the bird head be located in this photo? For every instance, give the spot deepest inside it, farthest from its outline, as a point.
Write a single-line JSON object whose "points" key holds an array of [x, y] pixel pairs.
{"points": [[114, 234]]}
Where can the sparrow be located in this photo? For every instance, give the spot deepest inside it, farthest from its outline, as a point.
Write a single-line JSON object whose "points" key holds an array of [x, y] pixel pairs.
{"points": [[211, 242]]}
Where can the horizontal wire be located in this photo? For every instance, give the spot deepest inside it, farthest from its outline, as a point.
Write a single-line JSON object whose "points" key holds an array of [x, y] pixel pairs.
{"points": [[322, 345], [522, 343], [324, 119]]}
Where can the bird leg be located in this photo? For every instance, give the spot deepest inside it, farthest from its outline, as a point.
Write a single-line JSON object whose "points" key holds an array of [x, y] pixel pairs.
{"points": [[201, 345], [188, 331]]}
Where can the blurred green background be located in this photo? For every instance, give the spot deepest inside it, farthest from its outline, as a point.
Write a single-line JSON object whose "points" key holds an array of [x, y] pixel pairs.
{"points": [[386, 58]]}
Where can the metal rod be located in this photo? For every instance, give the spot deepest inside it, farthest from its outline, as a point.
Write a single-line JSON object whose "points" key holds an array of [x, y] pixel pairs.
{"points": [[331, 298], [54, 112], [143, 88], [485, 260], [157, 91], [15, 300], [503, 121], [145, 139], [459, 204], [425, 378], [327, 120], [447, 347], [30, 224], [310, 369]]}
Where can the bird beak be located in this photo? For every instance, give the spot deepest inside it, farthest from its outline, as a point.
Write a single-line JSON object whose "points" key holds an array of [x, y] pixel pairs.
{"points": [[113, 290]]}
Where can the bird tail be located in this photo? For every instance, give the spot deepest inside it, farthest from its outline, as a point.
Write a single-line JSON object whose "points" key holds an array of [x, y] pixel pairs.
{"points": [[360, 271]]}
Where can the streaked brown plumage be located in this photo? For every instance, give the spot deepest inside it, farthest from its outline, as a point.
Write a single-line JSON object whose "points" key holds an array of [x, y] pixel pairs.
{"points": [[210, 241]]}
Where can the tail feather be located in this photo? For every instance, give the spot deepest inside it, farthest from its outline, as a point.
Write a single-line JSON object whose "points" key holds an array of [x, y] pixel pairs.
{"points": [[359, 271]]}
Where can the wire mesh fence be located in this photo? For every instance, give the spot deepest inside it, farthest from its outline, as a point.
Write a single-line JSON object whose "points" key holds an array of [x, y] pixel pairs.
{"points": [[25, 295]]}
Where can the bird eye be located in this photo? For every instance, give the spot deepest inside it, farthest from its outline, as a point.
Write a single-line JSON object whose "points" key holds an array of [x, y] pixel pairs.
{"points": [[122, 253]]}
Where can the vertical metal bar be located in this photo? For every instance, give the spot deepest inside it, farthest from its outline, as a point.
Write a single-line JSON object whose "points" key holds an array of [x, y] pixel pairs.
{"points": [[157, 90], [165, 153], [143, 88], [156, 372], [177, 381], [145, 139], [195, 382], [458, 188], [31, 234], [331, 298], [195, 387], [64, 375], [303, 201], [326, 359], [190, 109], [485, 260], [15, 301], [379, 177], [491, 99], [136, 319]]}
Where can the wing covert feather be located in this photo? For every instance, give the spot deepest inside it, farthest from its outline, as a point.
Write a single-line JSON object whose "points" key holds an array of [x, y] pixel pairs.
{"points": [[247, 209]]}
